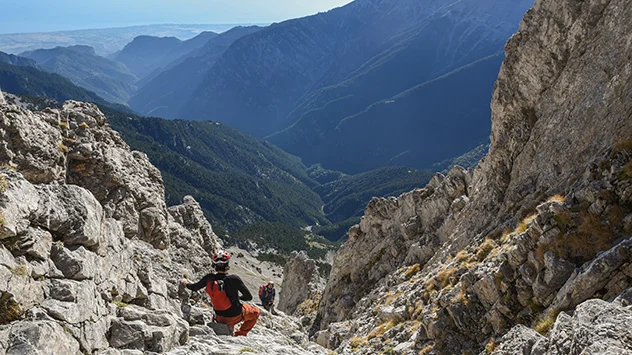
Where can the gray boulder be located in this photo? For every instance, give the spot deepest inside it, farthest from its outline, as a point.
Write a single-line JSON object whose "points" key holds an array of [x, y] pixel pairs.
{"points": [[46, 338], [72, 213]]}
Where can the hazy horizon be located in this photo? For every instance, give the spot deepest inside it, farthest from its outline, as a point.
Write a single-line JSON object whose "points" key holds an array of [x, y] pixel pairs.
{"points": [[33, 16]]}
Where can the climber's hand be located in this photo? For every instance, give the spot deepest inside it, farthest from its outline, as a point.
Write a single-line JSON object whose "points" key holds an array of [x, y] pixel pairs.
{"points": [[183, 282]]}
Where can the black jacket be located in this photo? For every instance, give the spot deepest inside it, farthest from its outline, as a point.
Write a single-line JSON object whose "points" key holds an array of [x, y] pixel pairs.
{"points": [[233, 285]]}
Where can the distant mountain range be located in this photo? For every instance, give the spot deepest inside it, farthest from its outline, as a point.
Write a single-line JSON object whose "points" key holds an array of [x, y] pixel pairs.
{"points": [[109, 79], [147, 54], [166, 93], [371, 84], [28, 80], [238, 179], [104, 40]]}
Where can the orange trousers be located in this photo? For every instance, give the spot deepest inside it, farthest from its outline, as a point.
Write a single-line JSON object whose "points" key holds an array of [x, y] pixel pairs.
{"points": [[249, 314]]}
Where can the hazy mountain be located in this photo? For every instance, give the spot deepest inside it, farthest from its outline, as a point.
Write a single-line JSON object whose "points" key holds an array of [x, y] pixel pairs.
{"points": [[109, 79], [16, 60], [147, 55], [240, 180], [430, 122], [21, 80], [312, 83], [165, 94], [104, 40]]}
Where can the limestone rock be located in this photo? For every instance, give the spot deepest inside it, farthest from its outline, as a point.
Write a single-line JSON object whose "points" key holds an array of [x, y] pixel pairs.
{"points": [[2, 100], [593, 276], [47, 338], [596, 327], [475, 252], [301, 283], [383, 238], [72, 213], [519, 340], [77, 264], [196, 228], [32, 144]]}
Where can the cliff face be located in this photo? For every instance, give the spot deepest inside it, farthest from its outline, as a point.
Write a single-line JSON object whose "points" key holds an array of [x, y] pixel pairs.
{"points": [[540, 226]]}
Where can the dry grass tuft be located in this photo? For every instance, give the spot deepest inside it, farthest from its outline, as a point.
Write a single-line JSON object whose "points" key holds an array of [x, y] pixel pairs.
{"points": [[358, 342], [426, 350], [20, 270], [524, 224], [556, 198], [413, 270], [461, 297], [9, 308], [444, 277], [626, 173], [622, 147], [544, 324], [490, 347], [485, 248], [381, 329]]}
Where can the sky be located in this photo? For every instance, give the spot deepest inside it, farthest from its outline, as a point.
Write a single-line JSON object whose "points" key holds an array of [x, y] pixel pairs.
{"points": [[57, 15]]}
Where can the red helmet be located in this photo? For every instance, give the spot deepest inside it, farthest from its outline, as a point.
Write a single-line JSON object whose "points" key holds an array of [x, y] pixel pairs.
{"points": [[220, 257]]}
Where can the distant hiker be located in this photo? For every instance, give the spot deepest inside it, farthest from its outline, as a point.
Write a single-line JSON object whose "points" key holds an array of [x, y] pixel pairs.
{"points": [[224, 292], [267, 293]]}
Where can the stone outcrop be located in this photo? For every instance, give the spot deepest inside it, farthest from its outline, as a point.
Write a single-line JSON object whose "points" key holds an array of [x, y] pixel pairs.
{"points": [[541, 226], [2, 100], [595, 327], [302, 286], [412, 223], [90, 256], [74, 251]]}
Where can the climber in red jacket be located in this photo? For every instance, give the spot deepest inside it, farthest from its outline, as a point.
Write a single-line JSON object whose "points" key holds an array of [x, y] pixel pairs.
{"points": [[224, 291]]}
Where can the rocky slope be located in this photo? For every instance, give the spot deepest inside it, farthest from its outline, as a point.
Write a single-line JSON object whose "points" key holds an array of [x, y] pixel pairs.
{"points": [[90, 255], [538, 229]]}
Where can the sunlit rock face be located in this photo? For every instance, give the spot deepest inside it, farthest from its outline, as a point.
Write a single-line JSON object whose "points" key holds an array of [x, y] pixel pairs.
{"points": [[539, 228]]}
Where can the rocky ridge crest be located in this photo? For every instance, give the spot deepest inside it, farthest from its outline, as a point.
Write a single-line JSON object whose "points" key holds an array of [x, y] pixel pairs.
{"points": [[540, 227]]}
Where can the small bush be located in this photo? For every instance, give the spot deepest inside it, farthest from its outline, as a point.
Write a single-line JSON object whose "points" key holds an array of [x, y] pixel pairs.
{"points": [[63, 125], [83, 125], [247, 350], [62, 148], [20, 270], [563, 220], [119, 303], [461, 297]]}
